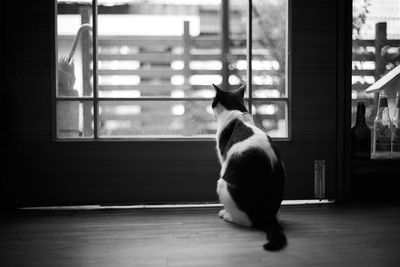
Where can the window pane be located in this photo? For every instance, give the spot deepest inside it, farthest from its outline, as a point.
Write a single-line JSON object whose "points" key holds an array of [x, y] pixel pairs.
{"points": [[74, 119], [163, 57], [155, 118], [269, 46], [271, 117], [74, 72], [166, 49], [376, 34]]}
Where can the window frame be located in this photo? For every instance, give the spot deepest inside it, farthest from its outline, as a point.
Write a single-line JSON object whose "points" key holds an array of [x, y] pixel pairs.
{"points": [[95, 98]]}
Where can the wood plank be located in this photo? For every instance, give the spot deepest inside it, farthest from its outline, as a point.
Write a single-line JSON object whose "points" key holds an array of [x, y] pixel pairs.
{"points": [[146, 57], [364, 57], [371, 56], [130, 40], [371, 42], [164, 57], [357, 235], [359, 86], [366, 42], [167, 72], [394, 43], [206, 42], [210, 56], [169, 86], [143, 87], [363, 72], [148, 73], [202, 42], [141, 117], [235, 71]]}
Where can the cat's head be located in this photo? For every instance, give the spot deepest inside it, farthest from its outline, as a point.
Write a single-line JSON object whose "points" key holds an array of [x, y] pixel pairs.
{"points": [[226, 101]]}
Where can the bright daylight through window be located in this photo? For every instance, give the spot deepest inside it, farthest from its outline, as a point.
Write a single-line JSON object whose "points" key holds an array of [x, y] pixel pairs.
{"points": [[144, 68]]}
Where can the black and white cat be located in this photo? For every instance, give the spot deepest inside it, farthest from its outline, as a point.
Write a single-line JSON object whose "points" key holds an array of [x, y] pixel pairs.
{"points": [[252, 172]]}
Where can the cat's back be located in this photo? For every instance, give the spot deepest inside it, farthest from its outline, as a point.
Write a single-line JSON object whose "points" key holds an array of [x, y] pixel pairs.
{"points": [[239, 137], [234, 133], [254, 171]]}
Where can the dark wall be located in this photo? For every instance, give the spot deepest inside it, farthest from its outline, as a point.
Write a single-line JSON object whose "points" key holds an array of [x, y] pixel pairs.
{"points": [[27, 62], [33, 159], [41, 171]]}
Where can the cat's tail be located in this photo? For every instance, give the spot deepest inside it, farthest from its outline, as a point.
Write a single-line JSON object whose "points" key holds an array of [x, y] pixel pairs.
{"points": [[275, 236]]}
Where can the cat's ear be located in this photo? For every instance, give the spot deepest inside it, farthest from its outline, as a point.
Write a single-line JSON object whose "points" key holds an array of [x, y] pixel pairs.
{"points": [[241, 91], [217, 89]]}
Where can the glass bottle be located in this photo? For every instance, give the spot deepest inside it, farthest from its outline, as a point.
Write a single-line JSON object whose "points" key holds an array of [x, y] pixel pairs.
{"points": [[382, 136], [361, 135], [396, 129]]}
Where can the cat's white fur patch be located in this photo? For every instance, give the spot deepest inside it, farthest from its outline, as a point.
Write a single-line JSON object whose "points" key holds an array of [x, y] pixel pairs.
{"points": [[231, 212], [221, 213], [258, 140]]}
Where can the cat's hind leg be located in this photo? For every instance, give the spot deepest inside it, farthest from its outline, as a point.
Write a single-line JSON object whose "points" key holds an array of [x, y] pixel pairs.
{"points": [[231, 213], [237, 219], [219, 191], [228, 217], [221, 213]]}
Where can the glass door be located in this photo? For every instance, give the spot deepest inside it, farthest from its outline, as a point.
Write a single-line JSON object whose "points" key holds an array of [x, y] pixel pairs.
{"points": [[133, 96]]}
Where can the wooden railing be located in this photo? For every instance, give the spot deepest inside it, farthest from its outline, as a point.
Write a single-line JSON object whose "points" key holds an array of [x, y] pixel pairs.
{"points": [[154, 57], [376, 51]]}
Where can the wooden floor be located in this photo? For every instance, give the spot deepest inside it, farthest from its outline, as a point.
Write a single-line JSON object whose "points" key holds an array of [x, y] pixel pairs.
{"points": [[318, 236]]}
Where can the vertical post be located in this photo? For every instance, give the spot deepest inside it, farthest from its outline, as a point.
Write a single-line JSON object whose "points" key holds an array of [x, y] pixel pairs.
{"points": [[186, 66], [186, 53], [225, 44], [249, 53], [380, 63], [95, 70], [343, 88], [380, 41], [86, 72]]}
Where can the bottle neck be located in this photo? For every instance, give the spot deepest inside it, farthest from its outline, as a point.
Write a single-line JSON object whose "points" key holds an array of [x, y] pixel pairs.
{"points": [[383, 113], [383, 110], [360, 119]]}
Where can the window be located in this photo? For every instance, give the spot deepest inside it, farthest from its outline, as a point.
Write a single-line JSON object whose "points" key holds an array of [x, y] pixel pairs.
{"points": [[144, 68], [376, 42]]}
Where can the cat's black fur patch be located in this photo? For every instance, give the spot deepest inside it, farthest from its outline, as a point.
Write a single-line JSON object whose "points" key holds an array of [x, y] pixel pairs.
{"points": [[256, 185], [235, 132], [229, 100], [276, 151], [255, 182]]}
